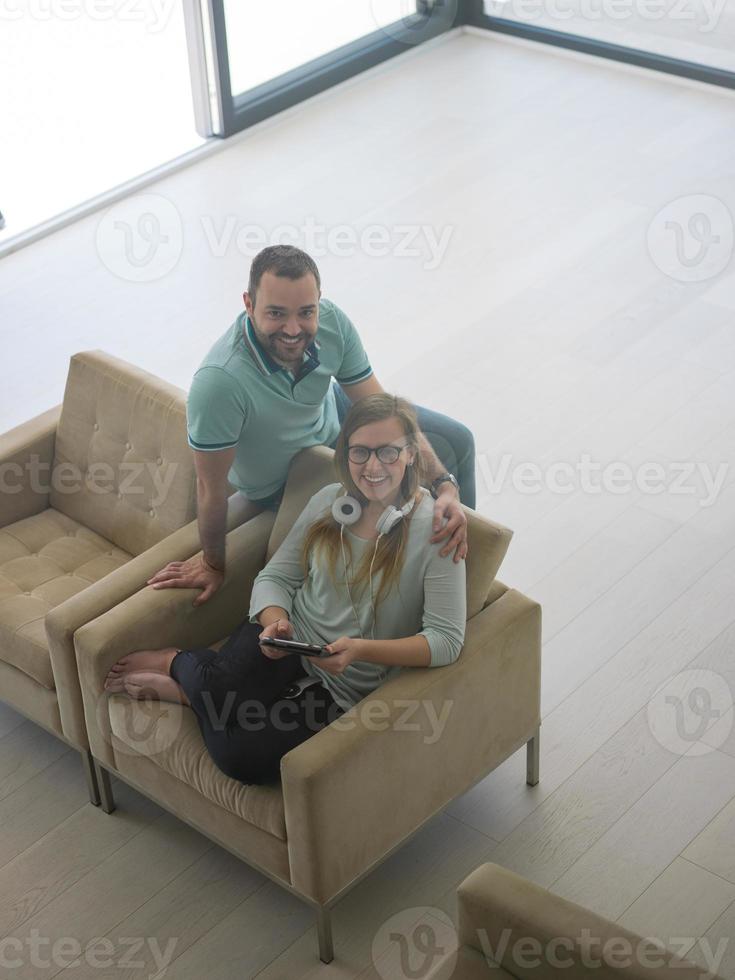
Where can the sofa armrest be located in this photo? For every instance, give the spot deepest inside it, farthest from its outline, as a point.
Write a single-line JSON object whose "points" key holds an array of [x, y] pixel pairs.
{"points": [[152, 618], [364, 783], [497, 909], [23, 485], [65, 619]]}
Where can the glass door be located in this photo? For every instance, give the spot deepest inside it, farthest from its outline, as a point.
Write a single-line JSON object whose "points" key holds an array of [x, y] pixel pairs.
{"points": [[266, 39], [257, 57]]}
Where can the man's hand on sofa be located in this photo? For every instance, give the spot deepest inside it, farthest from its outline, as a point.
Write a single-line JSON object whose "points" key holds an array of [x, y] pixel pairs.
{"points": [[448, 507], [195, 573]]}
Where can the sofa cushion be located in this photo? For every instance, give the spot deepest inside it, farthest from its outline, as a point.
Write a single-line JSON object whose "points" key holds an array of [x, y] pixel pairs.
{"points": [[44, 559], [168, 734]]}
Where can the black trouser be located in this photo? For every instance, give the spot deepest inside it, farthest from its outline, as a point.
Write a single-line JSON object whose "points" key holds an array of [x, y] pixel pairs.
{"points": [[237, 695]]}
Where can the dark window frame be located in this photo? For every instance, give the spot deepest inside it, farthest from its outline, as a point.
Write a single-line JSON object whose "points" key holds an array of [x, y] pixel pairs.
{"points": [[476, 17]]}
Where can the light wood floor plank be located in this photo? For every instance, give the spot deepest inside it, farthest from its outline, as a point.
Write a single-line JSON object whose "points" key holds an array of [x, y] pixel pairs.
{"points": [[714, 847], [176, 915], [9, 719], [66, 854], [24, 752], [607, 699], [716, 949], [114, 888], [651, 587], [598, 565], [247, 939], [40, 804], [640, 845], [684, 901], [704, 417], [569, 821]]}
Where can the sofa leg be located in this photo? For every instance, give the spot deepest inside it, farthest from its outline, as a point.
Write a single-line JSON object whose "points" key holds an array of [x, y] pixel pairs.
{"points": [[532, 758], [324, 932], [92, 787], [105, 785]]}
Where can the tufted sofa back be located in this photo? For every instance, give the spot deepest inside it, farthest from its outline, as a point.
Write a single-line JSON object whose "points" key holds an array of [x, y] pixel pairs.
{"points": [[122, 464]]}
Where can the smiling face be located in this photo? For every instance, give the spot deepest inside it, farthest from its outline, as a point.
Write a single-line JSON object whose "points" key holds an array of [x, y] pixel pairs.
{"points": [[380, 482], [285, 316]]}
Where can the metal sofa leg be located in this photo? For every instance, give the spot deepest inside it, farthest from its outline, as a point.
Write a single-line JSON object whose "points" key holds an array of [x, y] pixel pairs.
{"points": [[92, 787], [532, 758], [324, 932], [105, 785]]}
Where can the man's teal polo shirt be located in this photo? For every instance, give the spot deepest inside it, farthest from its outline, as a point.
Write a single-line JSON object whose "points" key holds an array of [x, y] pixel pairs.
{"points": [[241, 397]]}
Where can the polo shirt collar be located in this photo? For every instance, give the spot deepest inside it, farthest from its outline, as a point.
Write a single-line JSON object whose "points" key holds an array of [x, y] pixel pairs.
{"points": [[263, 359]]}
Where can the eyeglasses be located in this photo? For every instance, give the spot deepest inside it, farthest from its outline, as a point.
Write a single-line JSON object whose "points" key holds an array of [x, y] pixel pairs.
{"points": [[386, 454]]}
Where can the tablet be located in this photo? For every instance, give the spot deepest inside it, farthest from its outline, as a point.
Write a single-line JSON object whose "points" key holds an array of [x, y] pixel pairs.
{"points": [[295, 646]]}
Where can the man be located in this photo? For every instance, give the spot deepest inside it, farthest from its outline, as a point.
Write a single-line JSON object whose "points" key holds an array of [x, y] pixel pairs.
{"points": [[265, 391]]}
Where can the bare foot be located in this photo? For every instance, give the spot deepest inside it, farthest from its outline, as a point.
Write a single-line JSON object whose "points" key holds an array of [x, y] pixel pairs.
{"points": [[115, 683], [149, 685], [158, 660]]}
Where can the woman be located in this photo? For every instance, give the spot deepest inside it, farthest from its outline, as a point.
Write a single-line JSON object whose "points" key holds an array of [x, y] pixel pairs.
{"points": [[356, 574]]}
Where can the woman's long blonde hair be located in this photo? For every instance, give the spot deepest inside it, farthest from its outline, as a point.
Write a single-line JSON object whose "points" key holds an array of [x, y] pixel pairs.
{"points": [[324, 534]]}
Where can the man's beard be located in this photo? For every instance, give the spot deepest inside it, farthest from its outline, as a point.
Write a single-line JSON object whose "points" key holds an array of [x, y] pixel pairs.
{"points": [[286, 352], [282, 352]]}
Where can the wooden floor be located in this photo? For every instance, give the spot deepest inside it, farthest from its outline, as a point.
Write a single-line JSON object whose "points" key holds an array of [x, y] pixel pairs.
{"points": [[549, 328]]}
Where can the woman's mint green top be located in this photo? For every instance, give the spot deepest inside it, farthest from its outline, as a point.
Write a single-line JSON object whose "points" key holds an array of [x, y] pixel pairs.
{"points": [[429, 598]]}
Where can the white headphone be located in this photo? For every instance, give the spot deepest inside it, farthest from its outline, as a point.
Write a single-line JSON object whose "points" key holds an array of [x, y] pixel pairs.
{"points": [[346, 510]]}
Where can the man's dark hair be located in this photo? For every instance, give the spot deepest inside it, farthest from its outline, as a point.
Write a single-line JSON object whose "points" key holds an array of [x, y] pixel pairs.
{"points": [[284, 260]]}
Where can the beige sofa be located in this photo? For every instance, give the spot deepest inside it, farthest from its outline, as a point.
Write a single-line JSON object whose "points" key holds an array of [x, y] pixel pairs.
{"points": [[89, 494], [536, 934], [352, 793]]}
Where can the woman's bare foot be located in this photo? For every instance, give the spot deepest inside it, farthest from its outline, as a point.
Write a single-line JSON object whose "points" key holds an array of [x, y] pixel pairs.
{"points": [[147, 685], [158, 660]]}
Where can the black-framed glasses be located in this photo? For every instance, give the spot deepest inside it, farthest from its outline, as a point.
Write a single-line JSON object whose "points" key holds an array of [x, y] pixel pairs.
{"points": [[386, 454]]}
